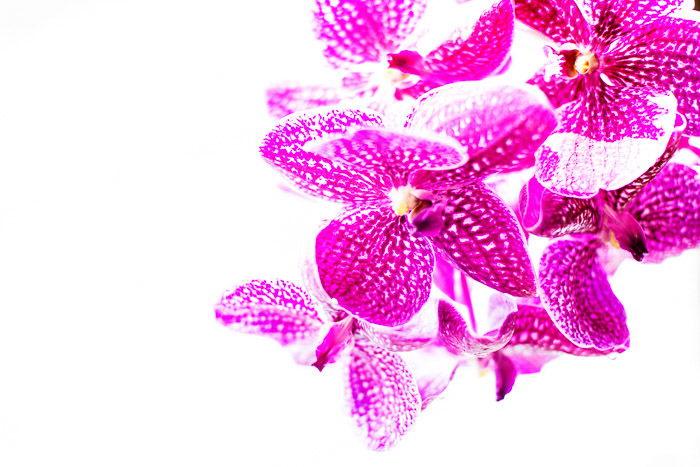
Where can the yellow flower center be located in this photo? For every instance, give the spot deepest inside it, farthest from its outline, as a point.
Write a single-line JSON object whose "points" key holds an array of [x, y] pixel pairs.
{"points": [[403, 201], [586, 62]]}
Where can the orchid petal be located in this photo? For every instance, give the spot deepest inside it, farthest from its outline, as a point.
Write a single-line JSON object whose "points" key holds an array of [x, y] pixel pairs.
{"points": [[578, 297], [277, 309], [506, 373], [616, 16], [433, 367], [664, 54], [373, 266], [548, 214], [337, 339], [534, 330], [416, 333], [457, 337], [500, 126], [392, 154], [482, 237], [528, 360], [474, 53], [284, 148], [622, 196], [559, 89], [383, 394], [560, 20], [668, 210], [605, 140], [357, 31]]}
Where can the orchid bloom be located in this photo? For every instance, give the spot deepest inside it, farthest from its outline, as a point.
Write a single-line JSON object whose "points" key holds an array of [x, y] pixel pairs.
{"points": [[524, 342], [383, 394], [369, 43], [618, 73], [377, 258], [653, 218], [548, 214], [521, 341]]}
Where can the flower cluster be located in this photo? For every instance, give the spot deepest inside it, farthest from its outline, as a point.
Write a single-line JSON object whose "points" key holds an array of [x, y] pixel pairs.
{"points": [[418, 145]]}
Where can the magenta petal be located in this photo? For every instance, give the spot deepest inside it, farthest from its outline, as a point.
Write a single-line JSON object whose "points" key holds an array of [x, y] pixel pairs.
{"points": [[393, 154], [285, 148], [561, 20], [457, 337], [605, 140], [500, 126], [373, 266], [558, 88], [578, 297], [383, 395], [614, 16], [506, 373], [551, 215], [482, 237], [624, 229], [277, 309], [670, 48], [359, 31], [534, 331], [621, 197], [285, 99], [474, 53], [668, 210], [337, 339]]}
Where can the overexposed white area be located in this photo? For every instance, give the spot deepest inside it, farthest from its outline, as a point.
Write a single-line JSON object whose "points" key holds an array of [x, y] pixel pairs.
{"points": [[132, 196]]}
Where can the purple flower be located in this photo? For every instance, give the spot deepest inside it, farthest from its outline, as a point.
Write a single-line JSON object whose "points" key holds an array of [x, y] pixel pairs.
{"points": [[361, 36], [376, 259], [652, 218], [524, 341], [383, 394], [618, 74], [637, 217]]}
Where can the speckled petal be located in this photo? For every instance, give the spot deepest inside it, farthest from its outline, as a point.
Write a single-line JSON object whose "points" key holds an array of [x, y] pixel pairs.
{"points": [[285, 148], [392, 154], [360, 31], [558, 89], [621, 197], [482, 237], [576, 293], [476, 114], [534, 331], [458, 338], [384, 398], [668, 210], [373, 266], [606, 139], [613, 17], [286, 99], [474, 53], [500, 126], [561, 20], [548, 214], [277, 309], [664, 54]]}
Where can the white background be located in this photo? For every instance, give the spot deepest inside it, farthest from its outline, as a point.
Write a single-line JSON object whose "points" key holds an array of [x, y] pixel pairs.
{"points": [[132, 196]]}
